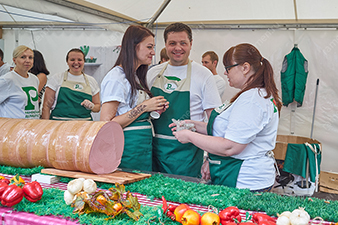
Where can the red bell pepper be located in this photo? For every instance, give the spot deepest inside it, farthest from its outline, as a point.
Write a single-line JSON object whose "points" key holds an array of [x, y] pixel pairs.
{"points": [[247, 223], [266, 222], [4, 181], [3, 187], [260, 217], [12, 195], [166, 209], [230, 214], [32, 191], [172, 207]]}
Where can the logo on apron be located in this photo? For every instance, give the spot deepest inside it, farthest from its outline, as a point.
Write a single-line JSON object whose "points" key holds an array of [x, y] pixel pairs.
{"points": [[170, 87], [78, 87]]}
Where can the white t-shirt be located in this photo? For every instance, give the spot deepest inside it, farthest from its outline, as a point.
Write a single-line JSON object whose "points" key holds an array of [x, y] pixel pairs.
{"points": [[116, 87], [252, 120], [220, 83], [19, 96], [55, 81], [5, 68], [203, 89]]}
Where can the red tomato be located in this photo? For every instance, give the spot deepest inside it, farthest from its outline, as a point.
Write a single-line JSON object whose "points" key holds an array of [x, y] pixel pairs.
{"points": [[191, 217], [180, 210], [210, 218]]}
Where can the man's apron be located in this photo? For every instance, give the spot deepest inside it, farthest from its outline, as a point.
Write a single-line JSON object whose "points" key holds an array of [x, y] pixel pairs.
{"points": [[169, 155], [138, 136], [68, 105], [223, 170]]}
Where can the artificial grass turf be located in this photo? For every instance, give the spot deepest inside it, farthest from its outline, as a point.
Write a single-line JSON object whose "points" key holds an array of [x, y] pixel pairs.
{"points": [[177, 190]]}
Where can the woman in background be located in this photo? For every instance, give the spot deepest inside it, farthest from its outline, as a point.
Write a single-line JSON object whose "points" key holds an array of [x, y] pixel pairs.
{"points": [[127, 99], [40, 70], [71, 95], [241, 135], [19, 89]]}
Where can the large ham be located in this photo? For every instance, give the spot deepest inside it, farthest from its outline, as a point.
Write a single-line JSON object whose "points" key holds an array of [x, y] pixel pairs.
{"points": [[87, 146]]}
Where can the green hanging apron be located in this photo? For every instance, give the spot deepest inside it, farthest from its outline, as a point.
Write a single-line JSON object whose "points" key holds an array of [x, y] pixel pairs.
{"points": [[169, 155], [138, 136], [68, 105], [223, 170]]}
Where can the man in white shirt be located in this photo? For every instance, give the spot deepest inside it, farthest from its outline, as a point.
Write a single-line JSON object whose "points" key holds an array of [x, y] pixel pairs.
{"points": [[4, 67], [210, 60], [192, 93]]}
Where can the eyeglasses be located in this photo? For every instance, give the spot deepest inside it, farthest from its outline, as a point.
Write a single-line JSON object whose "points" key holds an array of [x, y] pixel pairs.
{"points": [[227, 68]]}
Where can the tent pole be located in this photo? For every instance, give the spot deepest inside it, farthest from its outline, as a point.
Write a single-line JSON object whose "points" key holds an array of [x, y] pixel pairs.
{"points": [[158, 13], [314, 108]]}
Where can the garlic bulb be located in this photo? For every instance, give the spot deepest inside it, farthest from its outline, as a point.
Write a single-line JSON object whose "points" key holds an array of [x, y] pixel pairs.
{"points": [[283, 220], [299, 217], [89, 186], [68, 197], [286, 213], [75, 186]]}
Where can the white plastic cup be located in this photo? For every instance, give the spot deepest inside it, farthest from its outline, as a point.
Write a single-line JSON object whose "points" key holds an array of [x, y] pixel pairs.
{"points": [[156, 114]]}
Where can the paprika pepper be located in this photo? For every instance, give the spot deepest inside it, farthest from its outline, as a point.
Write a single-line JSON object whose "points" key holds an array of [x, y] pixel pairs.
{"points": [[230, 214], [12, 195], [3, 187], [266, 222], [260, 217], [32, 191], [4, 181], [17, 180], [166, 209]]}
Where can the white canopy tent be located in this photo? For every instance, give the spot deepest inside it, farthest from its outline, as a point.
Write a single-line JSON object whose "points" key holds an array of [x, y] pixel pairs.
{"points": [[55, 26]]}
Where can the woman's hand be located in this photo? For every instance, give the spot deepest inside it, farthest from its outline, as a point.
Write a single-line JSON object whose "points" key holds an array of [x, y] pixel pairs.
{"points": [[205, 171], [87, 104], [155, 103], [183, 135]]}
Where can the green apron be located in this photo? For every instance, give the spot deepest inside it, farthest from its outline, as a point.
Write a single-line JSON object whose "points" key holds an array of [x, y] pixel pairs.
{"points": [[68, 105], [138, 136], [293, 77], [169, 155], [223, 170]]}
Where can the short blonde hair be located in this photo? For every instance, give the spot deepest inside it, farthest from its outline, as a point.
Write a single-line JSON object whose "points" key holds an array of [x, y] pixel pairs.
{"points": [[19, 50]]}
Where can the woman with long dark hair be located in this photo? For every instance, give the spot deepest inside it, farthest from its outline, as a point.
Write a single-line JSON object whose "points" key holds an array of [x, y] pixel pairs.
{"points": [[127, 99], [40, 70], [240, 136]]}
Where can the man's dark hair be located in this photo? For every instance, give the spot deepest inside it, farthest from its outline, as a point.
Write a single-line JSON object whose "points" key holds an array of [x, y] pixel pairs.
{"points": [[1, 55], [177, 27]]}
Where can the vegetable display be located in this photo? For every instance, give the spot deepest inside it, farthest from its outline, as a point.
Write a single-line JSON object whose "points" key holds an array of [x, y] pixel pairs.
{"points": [[12, 191], [83, 196]]}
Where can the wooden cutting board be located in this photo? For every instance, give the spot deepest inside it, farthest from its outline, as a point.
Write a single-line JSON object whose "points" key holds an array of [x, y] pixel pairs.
{"points": [[115, 177]]}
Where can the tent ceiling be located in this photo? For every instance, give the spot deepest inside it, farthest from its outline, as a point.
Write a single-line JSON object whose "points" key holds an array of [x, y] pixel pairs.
{"points": [[116, 14]]}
